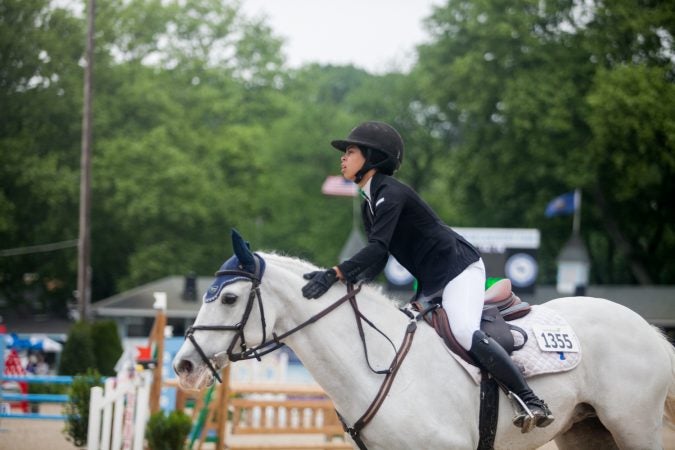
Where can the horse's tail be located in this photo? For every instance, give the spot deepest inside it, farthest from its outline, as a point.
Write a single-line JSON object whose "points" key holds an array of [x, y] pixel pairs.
{"points": [[669, 410]]}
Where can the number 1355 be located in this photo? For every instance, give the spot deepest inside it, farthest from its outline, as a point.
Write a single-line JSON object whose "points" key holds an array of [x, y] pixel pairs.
{"points": [[557, 341]]}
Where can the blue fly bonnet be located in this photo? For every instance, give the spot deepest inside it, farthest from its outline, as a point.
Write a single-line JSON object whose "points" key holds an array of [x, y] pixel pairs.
{"points": [[242, 266]]}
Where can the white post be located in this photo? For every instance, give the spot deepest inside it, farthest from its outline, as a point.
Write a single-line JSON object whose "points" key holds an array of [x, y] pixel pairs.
{"points": [[160, 301], [118, 410], [125, 371], [142, 408], [93, 430], [283, 367], [129, 410], [107, 413], [118, 420]]}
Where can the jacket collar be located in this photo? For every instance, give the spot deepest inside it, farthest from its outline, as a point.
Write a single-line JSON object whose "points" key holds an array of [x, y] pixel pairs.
{"points": [[374, 184]]}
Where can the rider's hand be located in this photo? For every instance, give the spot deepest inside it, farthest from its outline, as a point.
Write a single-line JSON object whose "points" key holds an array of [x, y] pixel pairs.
{"points": [[320, 282]]}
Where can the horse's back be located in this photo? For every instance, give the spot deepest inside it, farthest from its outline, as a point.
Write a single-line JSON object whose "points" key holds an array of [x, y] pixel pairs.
{"points": [[592, 308], [613, 334], [596, 319]]}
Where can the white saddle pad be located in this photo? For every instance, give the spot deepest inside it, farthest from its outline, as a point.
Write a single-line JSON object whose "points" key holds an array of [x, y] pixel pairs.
{"points": [[531, 359]]}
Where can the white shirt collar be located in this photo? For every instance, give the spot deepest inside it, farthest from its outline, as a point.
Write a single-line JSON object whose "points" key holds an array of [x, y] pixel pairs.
{"points": [[366, 188]]}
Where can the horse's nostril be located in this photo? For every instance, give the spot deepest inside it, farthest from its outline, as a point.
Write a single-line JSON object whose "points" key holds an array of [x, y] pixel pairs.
{"points": [[184, 366]]}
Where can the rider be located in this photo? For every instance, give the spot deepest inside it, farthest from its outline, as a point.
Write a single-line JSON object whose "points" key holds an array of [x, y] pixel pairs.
{"points": [[399, 222]]}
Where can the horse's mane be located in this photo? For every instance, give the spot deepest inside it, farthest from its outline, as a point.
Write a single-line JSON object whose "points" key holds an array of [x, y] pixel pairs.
{"points": [[298, 264], [301, 266]]}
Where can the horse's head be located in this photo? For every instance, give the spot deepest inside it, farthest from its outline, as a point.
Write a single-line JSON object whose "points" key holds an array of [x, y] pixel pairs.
{"points": [[230, 323]]}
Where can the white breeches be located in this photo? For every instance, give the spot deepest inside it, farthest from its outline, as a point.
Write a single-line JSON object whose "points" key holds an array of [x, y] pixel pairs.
{"points": [[463, 299]]}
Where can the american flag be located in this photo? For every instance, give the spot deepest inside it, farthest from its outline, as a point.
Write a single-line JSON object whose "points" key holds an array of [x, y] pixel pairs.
{"points": [[337, 185]]}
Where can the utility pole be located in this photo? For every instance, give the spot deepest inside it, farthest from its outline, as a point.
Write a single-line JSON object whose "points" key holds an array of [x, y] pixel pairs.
{"points": [[84, 242]]}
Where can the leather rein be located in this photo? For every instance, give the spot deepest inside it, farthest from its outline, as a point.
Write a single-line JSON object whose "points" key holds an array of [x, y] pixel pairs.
{"points": [[268, 346]]}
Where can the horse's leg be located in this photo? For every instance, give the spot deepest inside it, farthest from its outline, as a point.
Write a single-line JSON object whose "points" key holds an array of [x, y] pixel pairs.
{"points": [[588, 434]]}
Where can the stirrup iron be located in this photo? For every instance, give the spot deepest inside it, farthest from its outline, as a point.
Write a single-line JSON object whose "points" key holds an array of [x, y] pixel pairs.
{"points": [[522, 411]]}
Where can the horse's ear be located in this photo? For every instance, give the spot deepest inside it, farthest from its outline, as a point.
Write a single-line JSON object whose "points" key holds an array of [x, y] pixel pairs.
{"points": [[242, 249]]}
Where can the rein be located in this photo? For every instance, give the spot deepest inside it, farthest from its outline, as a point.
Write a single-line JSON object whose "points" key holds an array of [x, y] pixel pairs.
{"points": [[275, 343], [355, 430]]}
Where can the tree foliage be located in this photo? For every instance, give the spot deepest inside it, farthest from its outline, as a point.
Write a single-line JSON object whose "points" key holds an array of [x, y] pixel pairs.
{"points": [[539, 92], [40, 87], [91, 346], [200, 127], [78, 354], [168, 431], [107, 346]]}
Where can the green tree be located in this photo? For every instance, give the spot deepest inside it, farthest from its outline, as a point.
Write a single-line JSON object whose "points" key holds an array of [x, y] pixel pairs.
{"points": [[181, 91], [294, 159], [632, 155], [176, 159], [40, 94], [78, 352], [522, 85], [108, 345]]}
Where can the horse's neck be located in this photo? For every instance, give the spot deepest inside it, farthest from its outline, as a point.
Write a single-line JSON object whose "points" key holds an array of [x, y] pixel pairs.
{"points": [[331, 348]]}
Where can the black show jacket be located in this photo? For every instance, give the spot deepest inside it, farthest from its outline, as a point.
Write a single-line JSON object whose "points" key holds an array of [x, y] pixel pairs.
{"points": [[402, 224]]}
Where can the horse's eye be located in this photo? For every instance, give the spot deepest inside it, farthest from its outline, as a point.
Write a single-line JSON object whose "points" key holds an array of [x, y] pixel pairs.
{"points": [[229, 298]]}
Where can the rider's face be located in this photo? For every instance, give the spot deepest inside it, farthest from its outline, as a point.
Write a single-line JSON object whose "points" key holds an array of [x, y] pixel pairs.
{"points": [[351, 162]]}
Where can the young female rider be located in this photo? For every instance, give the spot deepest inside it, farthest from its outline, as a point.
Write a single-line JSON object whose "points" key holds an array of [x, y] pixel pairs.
{"points": [[399, 222]]}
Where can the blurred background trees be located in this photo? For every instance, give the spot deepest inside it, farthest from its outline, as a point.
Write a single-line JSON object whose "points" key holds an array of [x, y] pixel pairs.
{"points": [[550, 96], [199, 127]]}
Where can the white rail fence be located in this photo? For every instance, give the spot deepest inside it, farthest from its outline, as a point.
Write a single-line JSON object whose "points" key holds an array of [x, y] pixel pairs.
{"points": [[119, 412]]}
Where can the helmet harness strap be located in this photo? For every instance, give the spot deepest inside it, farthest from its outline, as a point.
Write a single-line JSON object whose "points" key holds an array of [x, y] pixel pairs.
{"points": [[368, 154]]}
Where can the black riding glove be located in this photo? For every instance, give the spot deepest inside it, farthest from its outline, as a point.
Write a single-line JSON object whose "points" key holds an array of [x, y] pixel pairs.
{"points": [[320, 282]]}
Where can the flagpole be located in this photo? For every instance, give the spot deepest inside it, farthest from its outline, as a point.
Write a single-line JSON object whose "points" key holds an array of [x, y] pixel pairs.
{"points": [[576, 222]]}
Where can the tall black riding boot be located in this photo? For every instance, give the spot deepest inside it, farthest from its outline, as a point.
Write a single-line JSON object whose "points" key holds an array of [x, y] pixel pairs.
{"points": [[492, 357]]}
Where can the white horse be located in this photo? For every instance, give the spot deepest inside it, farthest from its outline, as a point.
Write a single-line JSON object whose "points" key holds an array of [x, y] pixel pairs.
{"points": [[617, 396]]}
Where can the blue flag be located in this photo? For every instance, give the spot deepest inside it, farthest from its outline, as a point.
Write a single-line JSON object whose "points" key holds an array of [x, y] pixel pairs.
{"points": [[562, 205]]}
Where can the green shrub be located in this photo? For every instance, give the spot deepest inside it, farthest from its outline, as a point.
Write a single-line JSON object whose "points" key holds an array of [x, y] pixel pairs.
{"points": [[77, 409], [168, 432], [78, 352], [108, 346], [96, 345]]}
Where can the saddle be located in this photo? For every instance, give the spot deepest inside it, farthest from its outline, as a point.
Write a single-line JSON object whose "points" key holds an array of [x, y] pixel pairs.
{"points": [[501, 305]]}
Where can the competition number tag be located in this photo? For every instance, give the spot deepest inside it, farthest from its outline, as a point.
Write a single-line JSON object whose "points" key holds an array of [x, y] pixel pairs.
{"points": [[556, 339]]}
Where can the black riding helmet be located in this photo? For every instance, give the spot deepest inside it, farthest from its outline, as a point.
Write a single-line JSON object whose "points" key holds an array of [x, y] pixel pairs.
{"points": [[380, 143]]}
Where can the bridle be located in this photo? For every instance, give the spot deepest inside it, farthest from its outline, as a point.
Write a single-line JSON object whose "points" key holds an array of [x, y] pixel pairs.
{"points": [[275, 343], [238, 328], [266, 346]]}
